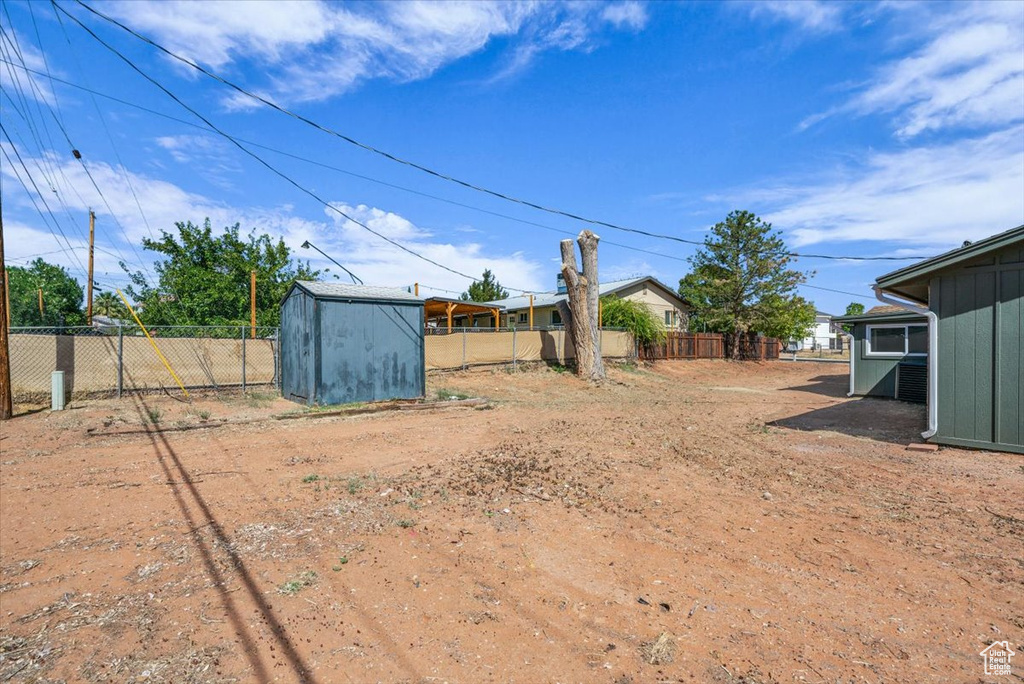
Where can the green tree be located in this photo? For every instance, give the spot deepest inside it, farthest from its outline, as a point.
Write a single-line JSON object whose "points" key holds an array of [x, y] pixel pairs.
{"points": [[487, 289], [636, 317], [204, 279], [741, 282], [62, 295], [853, 309], [108, 304]]}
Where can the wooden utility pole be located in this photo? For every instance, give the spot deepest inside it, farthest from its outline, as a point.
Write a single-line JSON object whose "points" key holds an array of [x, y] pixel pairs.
{"points": [[252, 303], [40, 290], [88, 285], [6, 399]]}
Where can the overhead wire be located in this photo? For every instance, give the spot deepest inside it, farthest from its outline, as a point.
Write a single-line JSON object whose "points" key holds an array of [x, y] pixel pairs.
{"points": [[330, 206], [433, 172], [353, 174], [41, 100], [38, 194]]}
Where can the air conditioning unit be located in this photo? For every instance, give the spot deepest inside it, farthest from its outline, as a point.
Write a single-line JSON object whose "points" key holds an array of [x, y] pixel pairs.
{"points": [[912, 382]]}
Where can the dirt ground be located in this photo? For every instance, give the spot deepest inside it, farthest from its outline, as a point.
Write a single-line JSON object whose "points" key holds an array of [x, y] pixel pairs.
{"points": [[693, 521]]}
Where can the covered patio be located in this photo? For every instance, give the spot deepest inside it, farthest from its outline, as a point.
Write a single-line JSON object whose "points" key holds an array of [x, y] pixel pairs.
{"points": [[441, 311]]}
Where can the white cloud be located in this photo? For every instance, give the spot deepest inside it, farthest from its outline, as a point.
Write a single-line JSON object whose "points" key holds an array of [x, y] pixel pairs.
{"points": [[630, 15], [14, 79], [374, 260], [937, 195], [312, 51], [968, 73], [811, 15], [377, 262]]}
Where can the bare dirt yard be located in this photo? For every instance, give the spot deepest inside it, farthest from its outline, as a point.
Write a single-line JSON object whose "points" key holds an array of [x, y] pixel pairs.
{"points": [[692, 522]]}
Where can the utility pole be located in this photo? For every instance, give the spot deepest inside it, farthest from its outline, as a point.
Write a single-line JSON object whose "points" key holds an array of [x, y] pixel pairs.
{"points": [[252, 302], [6, 408], [88, 286], [40, 291]]}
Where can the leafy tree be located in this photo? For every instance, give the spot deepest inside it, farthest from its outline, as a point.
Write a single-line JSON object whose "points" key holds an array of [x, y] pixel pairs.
{"points": [[204, 279], [853, 309], [108, 304], [741, 282], [487, 289], [634, 316], [62, 295]]}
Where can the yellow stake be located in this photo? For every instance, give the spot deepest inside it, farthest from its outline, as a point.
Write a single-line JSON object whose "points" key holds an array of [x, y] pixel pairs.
{"points": [[153, 342]]}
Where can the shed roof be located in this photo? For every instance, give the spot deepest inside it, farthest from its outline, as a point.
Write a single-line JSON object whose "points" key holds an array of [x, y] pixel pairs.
{"points": [[344, 291], [552, 298], [912, 281], [881, 314]]}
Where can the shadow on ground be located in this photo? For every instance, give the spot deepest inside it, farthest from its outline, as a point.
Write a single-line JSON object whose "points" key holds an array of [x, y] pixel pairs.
{"points": [[884, 420], [835, 386]]}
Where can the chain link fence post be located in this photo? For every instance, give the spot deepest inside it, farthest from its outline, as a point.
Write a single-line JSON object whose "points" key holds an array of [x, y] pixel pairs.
{"points": [[514, 366], [120, 360], [464, 334], [242, 328]]}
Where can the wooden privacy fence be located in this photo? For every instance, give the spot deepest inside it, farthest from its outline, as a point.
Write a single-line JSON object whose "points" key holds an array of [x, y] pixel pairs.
{"points": [[679, 345]]}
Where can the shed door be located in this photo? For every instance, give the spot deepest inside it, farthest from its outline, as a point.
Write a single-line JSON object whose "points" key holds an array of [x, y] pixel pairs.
{"points": [[397, 352], [369, 351], [297, 348]]}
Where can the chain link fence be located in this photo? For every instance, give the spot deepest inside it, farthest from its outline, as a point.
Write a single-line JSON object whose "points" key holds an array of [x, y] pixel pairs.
{"points": [[465, 347], [112, 360]]}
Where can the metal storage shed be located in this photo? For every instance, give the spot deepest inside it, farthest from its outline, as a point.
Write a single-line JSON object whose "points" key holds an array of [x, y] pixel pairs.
{"points": [[345, 343], [975, 295]]}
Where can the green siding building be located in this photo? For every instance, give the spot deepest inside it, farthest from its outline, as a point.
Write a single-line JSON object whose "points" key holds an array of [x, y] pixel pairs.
{"points": [[976, 294], [889, 343]]}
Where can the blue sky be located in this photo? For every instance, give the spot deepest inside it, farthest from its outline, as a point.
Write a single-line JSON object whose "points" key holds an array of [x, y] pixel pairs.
{"points": [[857, 129]]}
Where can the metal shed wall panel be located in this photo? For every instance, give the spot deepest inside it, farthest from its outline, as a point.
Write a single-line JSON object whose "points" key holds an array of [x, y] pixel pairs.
{"points": [[369, 351], [981, 367], [297, 353]]}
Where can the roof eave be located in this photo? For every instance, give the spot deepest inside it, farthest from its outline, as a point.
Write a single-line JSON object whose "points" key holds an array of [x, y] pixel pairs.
{"points": [[891, 282]]}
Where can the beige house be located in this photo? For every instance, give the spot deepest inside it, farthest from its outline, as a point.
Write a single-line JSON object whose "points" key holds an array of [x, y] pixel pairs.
{"points": [[515, 311]]}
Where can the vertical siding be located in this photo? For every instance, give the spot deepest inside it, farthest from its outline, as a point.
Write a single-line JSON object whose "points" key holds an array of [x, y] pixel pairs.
{"points": [[946, 288], [1009, 398], [984, 360], [297, 347], [875, 376], [981, 360], [370, 351]]}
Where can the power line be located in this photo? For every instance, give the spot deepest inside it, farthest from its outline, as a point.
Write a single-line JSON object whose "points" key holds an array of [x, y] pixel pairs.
{"points": [[430, 171], [24, 185], [39, 98], [829, 289], [259, 159], [351, 173]]}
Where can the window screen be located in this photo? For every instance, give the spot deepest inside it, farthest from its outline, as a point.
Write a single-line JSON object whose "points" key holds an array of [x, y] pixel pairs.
{"points": [[888, 340], [917, 339]]}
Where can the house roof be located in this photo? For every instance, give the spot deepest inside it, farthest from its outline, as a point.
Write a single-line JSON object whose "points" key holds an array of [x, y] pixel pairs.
{"points": [[881, 314], [912, 281], [552, 298], [343, 291]]}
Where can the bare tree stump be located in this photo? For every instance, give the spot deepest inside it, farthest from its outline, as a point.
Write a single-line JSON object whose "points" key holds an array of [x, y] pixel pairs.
{"points": [[588, 250], [583, 292]]}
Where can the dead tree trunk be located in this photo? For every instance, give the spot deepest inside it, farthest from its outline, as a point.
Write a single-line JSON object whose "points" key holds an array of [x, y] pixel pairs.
{"points": [[588, 251], [582, 289]]}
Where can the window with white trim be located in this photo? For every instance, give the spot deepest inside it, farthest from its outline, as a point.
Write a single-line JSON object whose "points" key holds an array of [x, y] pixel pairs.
{"points": [[524, 317], [897, 340]]}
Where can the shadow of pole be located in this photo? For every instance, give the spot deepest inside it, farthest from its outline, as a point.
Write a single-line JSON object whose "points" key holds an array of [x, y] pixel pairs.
{"points": [[177, 476]]}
